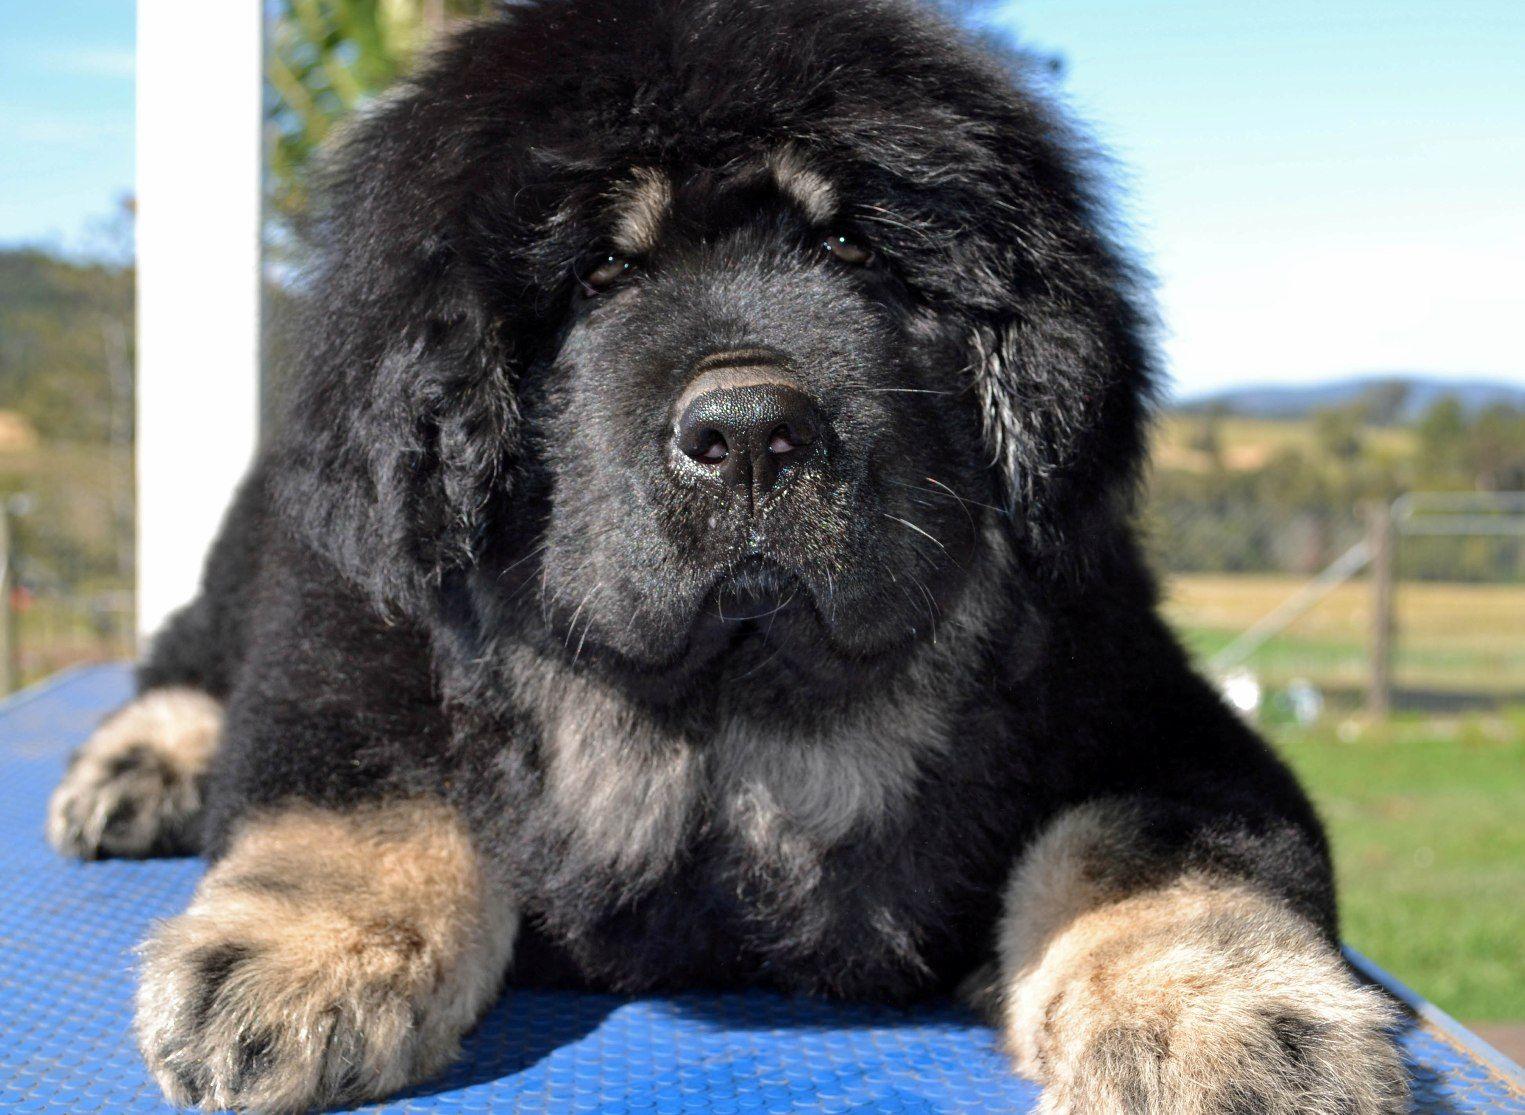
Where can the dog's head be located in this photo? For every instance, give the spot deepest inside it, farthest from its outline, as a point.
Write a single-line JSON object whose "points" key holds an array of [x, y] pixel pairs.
{"points": [[651, 330]]}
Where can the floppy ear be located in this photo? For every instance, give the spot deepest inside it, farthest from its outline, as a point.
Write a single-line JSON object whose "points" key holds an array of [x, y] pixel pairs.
{"points": [[1060, 353], [1063, 389], [400, 421]]}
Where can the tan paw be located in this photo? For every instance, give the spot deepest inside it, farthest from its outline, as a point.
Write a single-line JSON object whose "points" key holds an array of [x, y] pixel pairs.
{"points": [[134, 788], [327, 959], [1198, 1000]]}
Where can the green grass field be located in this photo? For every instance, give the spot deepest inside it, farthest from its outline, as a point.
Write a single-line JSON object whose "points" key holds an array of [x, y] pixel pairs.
{"points": [[1427, 822]]}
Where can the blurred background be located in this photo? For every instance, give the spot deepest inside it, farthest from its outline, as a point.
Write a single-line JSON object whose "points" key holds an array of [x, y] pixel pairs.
{"points": [[1329, 194]]}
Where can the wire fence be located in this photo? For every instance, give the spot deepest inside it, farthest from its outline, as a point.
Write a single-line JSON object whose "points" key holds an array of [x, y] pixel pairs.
{"points": [[67, 585], [1417, 605]]}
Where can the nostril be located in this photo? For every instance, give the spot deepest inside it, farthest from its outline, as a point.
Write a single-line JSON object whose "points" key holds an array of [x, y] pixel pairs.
{"points": [[787, 437], [709, 448]]}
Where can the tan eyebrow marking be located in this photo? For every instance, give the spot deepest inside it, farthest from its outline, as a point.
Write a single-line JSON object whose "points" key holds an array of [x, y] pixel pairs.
{"points": [[641, 207], [812, 192]]}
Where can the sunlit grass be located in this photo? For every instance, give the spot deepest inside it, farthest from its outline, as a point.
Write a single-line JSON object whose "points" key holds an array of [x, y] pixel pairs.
{"points": [[1427, 822]]}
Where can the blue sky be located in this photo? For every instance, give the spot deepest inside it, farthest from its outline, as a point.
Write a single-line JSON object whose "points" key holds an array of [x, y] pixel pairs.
{"points": [[66, 70], [1323, 188]]}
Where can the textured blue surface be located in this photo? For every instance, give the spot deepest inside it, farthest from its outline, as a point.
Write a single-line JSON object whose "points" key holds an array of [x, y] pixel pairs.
{"points": [[67, 932]]}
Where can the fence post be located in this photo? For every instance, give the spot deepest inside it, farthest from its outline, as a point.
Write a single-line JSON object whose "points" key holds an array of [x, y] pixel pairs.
{"points": [[1380, 697]]}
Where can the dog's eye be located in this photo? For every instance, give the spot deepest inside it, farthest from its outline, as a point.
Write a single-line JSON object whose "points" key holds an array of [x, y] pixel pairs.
{"points": [[846, 250], [603, 274]]}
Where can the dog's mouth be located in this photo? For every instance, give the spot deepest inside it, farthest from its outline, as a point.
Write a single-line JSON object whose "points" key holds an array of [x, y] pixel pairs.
{"points": [[761, 615], [755, 591]]}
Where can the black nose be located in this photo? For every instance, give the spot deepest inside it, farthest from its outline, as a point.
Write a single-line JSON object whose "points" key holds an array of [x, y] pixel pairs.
{"points": [[748, 426]]}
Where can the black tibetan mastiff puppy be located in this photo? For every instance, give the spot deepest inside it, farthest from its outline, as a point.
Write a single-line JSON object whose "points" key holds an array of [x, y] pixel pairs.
{"points": [[698, 553]]}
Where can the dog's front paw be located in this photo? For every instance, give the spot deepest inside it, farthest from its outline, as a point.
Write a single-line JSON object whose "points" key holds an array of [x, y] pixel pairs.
{"points": [[229, 1017], [1198, 1001], [327, 959], [134, 788]]}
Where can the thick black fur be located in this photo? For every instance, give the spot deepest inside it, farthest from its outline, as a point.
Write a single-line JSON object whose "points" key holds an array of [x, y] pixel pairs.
{"points": [[469, 506]]}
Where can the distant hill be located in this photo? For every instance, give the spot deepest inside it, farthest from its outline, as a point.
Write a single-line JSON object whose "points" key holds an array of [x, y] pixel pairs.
{"points": [[1398, 398]]}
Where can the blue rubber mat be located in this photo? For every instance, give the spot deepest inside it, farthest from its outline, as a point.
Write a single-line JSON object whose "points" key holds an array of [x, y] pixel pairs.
{"points": [[66, 977]]}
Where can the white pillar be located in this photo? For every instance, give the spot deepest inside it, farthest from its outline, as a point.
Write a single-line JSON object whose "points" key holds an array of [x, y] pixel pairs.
{"points": [[198, 235]]}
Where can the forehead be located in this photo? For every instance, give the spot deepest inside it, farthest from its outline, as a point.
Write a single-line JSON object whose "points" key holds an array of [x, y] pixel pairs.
{"points": [[652, 200]]}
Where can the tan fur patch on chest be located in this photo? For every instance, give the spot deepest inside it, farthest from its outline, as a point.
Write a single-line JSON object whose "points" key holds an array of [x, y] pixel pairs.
{"points": [[625, 792], [777, 789], [629, 794]]}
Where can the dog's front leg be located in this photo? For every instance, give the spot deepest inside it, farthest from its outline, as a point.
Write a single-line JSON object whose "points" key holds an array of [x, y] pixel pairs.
{"points": [[1138, 972], [328, 957]]}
